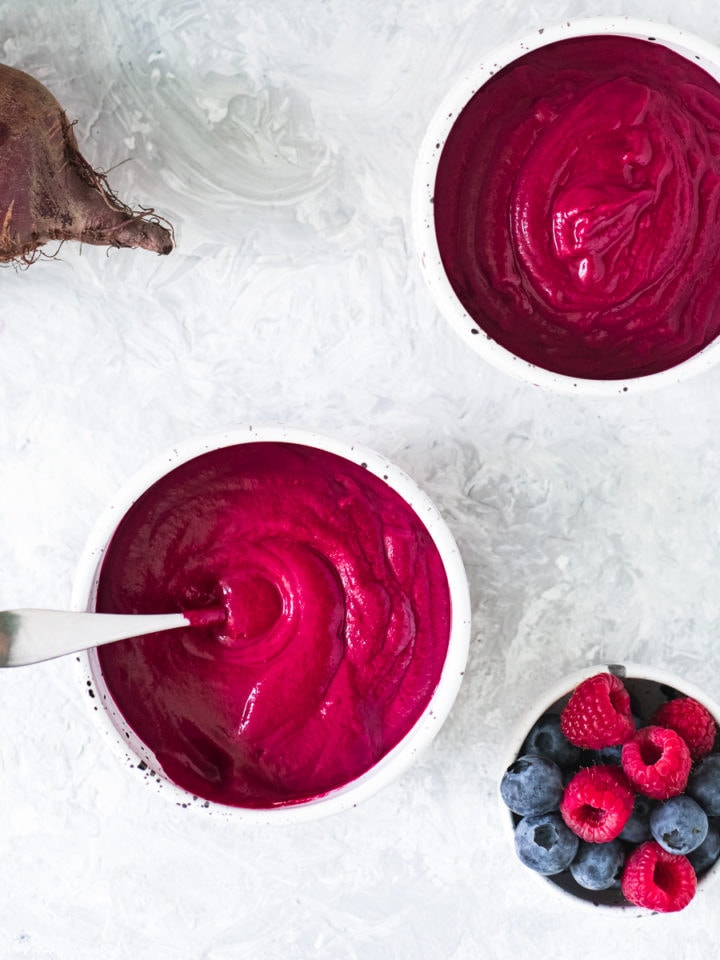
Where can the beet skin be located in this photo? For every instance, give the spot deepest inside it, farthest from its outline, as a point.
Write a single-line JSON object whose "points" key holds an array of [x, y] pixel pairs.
{"points": [[48, 191]]}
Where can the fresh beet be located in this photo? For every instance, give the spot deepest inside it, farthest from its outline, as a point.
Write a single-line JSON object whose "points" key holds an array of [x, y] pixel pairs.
{"points": [[48, 191]]}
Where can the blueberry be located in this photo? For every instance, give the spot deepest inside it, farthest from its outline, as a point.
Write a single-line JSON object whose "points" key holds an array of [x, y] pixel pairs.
{"points": [[679, 825], [704, 784], [637, 828], [532, 784], [704, 856], [608, 754], [547, 739], [545, 844], [597, 866], [613, 754]]}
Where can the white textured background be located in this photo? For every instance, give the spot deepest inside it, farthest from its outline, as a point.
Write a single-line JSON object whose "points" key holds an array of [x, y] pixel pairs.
{"points": [[280, 137]]}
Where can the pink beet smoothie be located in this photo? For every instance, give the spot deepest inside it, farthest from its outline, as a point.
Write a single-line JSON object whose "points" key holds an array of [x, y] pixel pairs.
{"points": [[337, 626], [576, 207]]}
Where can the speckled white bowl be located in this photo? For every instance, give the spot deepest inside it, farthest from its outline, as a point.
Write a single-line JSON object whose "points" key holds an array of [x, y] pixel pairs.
{"points": [[644, 686], [134, 753], [693, 48]]}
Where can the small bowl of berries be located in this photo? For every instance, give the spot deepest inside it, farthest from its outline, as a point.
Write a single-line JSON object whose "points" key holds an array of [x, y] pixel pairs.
{"points": [[613, 790]]}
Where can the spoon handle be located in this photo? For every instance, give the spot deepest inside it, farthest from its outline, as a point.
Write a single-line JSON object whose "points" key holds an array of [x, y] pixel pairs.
{"points": [[30, 636]]}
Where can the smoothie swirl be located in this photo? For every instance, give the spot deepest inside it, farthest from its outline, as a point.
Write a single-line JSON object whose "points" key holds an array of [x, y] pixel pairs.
{"points": [[576, 207], [337, 622]]}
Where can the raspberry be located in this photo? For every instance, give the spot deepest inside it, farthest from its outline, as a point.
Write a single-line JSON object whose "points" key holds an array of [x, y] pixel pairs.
{"points": [[597, 803], [598, 713], [657, 762], [658, 880], [692, 721]]}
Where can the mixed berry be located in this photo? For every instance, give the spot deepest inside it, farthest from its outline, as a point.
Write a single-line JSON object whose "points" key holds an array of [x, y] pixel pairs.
{"points": [[608, 800]]}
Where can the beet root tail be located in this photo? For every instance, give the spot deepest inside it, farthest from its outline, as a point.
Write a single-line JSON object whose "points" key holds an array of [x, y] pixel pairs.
{"points": [[144, 232], [98, 217]]}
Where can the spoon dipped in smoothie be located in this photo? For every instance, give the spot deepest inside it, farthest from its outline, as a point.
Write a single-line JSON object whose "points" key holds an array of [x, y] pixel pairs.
{"points": [[31, 636]]}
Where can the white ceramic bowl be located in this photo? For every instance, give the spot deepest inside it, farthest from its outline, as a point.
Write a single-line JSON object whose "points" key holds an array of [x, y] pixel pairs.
{"points": [[693, 48], [645, 687], [135, 754]]}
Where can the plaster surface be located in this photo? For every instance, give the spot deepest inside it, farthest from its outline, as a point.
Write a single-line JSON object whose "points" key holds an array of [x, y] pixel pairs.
{"points": [[280, 139]]}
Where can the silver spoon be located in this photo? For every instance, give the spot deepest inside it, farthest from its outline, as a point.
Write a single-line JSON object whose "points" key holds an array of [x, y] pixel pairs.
{"points": [[30, 636]]}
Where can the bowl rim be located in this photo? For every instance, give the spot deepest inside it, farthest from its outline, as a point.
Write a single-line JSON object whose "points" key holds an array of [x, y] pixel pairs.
{"points": [[122, 740], [549, 696], [693, 47]]}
